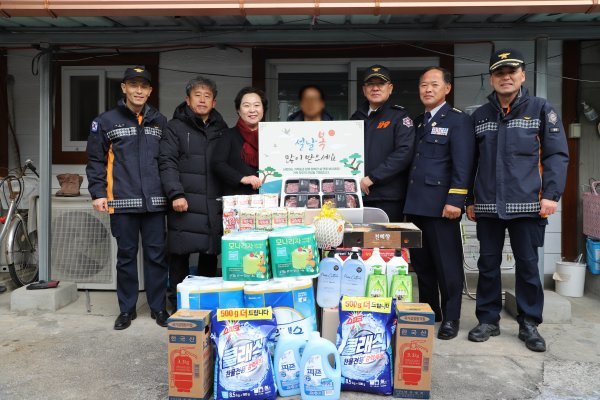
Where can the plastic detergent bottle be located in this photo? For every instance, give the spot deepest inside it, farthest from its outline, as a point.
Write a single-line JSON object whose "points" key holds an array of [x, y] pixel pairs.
{"points": [[329, 281], [353, 277], [318, 379], [288, 354], [376, 279], [396, 266]]}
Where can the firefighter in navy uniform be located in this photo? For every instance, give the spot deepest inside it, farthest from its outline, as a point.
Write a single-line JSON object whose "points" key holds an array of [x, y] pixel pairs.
{"points": [[389, 141], [124, 181], [440, 176], [521, 168]]}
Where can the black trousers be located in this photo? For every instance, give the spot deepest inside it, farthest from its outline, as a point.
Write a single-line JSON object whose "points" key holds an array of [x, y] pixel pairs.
{"points": [[439, 265], [126, 228], [394, 209], [179, 268], [526, 236]]}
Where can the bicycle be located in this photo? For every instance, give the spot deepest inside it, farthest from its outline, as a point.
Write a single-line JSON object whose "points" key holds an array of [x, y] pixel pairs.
{"points": [[21, 245]]}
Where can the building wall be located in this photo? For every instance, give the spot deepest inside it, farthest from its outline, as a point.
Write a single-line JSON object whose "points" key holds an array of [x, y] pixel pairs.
{"points": [[238, 64]]}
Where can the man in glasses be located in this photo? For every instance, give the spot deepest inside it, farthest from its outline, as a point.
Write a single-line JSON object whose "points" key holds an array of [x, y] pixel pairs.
{"points": [[389, 140]]}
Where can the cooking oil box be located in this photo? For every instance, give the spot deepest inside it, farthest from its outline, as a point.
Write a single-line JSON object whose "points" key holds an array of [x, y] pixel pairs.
{"points": [[414, 351], [190, 355]]}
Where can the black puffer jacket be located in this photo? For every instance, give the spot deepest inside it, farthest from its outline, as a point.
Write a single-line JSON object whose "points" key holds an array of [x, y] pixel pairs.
{"points": [[186, 152]]}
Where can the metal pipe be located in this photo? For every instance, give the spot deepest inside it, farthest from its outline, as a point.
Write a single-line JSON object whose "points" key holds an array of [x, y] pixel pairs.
{"points": [[45, 163]]}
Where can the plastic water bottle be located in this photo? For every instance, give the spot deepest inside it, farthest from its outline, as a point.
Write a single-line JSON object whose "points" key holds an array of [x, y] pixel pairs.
{"points": [[288, 354], [318, 379], [329, 281], [353, 277]]}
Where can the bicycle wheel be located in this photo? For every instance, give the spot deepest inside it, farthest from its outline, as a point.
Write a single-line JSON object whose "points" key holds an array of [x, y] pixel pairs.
{"points": [[21, 249]]}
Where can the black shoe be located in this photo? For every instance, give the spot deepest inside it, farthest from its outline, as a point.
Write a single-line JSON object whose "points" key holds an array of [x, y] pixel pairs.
{"points": [[448, 330], [161, 317], [124, 320], [482, 332], [529, 334]]}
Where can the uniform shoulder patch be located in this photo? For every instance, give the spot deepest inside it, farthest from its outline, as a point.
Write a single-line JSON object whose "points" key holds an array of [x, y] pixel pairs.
{"points": [[552, 117], [407, 122], [397, 107], [456, 110], [94, 127]]}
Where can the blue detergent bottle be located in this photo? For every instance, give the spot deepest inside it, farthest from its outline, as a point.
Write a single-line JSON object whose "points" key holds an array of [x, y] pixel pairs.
{"points": [[288, 354], [329, 281], [318, 379], [353, 276]]}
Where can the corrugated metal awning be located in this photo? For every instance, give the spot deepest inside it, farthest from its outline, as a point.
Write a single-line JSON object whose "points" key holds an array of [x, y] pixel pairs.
{"points": [[82, 8]]}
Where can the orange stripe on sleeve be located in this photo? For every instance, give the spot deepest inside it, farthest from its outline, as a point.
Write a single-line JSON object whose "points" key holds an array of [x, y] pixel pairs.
{"points": [[109, 177]]}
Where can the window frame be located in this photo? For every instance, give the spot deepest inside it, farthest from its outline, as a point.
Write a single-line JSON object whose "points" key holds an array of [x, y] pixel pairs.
{"points": [[96, 61]]}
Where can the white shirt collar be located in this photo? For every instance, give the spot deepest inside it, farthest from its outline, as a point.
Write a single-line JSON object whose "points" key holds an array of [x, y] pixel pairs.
{"points": [[435, 110]]}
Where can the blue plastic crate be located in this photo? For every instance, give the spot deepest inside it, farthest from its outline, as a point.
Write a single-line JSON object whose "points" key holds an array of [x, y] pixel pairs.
{"points": [[593, 255]]}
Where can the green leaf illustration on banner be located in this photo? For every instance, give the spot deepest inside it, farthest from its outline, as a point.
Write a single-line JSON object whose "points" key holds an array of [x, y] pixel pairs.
{"points": [[269, 171], [353, 162]]}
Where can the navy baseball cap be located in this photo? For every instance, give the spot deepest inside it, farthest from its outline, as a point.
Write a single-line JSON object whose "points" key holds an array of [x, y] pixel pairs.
{"points": [[506, 58], [138, 71], [378, 71]]}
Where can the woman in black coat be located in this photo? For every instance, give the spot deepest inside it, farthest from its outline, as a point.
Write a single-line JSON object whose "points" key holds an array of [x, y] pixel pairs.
{"points": [[236, 157]]}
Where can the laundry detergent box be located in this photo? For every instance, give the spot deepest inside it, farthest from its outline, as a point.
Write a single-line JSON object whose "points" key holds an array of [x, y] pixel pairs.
{"points": [[243, 339], [293, 303], [190, 355], [414, 351], [364, 340], [294, 252], [245, 256]]}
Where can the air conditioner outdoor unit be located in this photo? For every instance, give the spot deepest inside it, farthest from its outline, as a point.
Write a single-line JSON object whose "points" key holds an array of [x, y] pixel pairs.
{"points": [[83, 249]]}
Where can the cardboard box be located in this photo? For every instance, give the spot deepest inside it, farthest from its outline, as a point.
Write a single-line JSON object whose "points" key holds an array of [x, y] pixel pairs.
{"points": [[330, 320], [190, 355], [414, 351], [383, 235]]}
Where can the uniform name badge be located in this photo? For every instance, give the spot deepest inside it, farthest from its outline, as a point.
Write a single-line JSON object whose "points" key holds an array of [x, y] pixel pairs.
{"points": [[436, 130]]}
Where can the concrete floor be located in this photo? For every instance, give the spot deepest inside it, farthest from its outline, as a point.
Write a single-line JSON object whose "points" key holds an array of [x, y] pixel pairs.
{"points": [[73, 354]]}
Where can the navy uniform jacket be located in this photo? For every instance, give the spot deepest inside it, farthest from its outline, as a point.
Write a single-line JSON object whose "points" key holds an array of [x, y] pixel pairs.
{"points": [[123, 160], [522, 157], [442, 169], [389, 141]]}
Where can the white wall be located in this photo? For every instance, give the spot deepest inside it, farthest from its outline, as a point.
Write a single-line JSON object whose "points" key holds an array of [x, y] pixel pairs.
{"points": [[466, 91]]}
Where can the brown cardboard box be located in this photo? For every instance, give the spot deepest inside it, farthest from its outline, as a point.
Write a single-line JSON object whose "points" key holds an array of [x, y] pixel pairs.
{"points": [[414, 350], [190, 355], [383, 235], [330, 320]]}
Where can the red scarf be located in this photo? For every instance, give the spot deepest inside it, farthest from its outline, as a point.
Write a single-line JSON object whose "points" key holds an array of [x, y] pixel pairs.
{"points": [[250, 147]]}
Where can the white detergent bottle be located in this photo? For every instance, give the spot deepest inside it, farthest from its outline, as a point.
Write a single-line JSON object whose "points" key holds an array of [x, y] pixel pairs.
{"points": [[375, 262], [318, 379], [354, 277], [396, 266], [329, 281], [288, 354]]}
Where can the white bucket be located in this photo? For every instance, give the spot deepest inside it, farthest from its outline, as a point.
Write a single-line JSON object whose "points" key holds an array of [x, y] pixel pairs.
{"points": [[569, 278]]}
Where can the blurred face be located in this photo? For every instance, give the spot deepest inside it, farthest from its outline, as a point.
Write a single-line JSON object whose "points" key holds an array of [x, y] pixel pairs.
{"points": [[136, 91], [311, 104], [377, 91], [507, 81], [251, 110], [432, 89], [201, 101]]}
